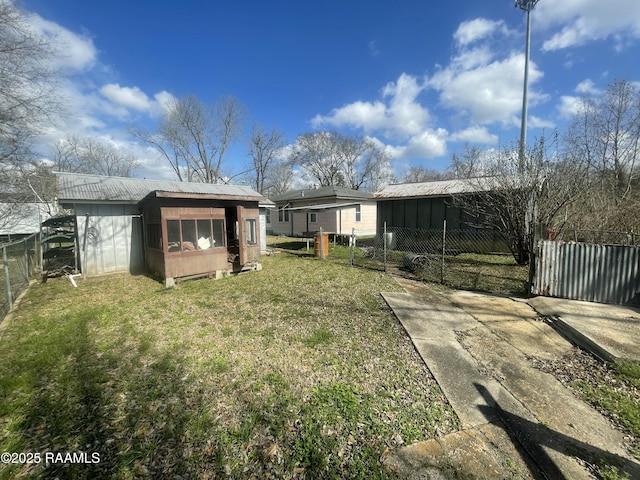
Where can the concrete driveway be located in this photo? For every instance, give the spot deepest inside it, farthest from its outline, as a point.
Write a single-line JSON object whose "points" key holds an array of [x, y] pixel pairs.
{"points": [[611, 332], [518, 422]]}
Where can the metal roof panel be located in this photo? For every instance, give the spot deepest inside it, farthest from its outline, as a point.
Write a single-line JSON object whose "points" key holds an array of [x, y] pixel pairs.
{"points": [[330, 191], [435, 189], [78, 187]]}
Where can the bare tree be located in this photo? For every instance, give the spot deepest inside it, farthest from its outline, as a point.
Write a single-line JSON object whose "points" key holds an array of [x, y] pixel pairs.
{"points": [[194, 137], [87, 155], [26, 83], [606, 133], [335, 159], [280, 177], [470, 164], [422, 174], [516, 199], [264, 148], [366, 166], [27, 101]]}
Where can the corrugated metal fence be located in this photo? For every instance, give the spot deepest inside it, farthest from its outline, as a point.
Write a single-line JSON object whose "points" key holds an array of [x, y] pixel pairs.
{"points": [[583, 271]]}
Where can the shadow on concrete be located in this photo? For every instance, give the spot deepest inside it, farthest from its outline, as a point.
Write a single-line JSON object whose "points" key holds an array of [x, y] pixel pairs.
{"points": [[539, 441]]}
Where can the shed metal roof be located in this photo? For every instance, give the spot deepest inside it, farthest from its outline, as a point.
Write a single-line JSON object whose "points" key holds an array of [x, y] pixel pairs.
{"points": [[75, 187], [440, 188]]}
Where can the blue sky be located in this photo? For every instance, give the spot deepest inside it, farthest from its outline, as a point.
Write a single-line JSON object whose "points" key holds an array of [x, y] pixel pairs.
{"points": [[421, 78]]}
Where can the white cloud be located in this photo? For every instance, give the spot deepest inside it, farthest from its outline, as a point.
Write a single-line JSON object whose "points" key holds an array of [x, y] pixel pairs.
{"points": [[72, 51], [587, 87], [582, 21], [487, 93], [428, 144], [572, 105], [369, 116], [129, 97], [477, 89], [540, 123], [569, 106], [163, 100], [478, 29], [124, 99], [475, 135], [400, 115]]}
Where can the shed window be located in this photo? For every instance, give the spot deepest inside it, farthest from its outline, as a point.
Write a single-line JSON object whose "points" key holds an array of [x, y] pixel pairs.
{"points": [[250, 231], [189, 235], [189, 240], [313, 218], [173, 235], [204, 234], [358, 213], [218, 233]]}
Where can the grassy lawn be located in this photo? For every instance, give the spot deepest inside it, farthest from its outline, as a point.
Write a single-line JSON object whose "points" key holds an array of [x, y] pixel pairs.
{"points": [[466, 271], [296, 371], [489, 273], [615, 391]]}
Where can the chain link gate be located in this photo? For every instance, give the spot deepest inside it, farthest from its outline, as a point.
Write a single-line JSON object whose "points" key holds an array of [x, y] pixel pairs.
{"points": [[476, 259]]}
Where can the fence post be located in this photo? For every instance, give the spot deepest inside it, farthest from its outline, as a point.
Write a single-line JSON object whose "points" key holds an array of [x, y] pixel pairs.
{"points": [[7, 277], [384, 243], [444, 243], [352, 245], [26, 260]]}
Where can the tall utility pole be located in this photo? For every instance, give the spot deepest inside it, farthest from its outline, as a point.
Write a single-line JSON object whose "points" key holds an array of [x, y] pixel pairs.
{"points": [[527, 6]]}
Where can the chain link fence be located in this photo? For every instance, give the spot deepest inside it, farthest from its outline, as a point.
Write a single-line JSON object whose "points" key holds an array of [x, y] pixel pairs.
{"points": [[596, 237], [21, 262], [475, 259]]}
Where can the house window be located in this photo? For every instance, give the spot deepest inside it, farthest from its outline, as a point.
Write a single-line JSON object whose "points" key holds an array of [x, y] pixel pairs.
{"points": [[268, 216], [313, 218], [358, 213], [250, 231], [283, 215]]}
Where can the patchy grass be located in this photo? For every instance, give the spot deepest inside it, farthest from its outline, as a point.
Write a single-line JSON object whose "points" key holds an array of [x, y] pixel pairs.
{"points": [[615, 391], [496, 273], [489, 273], [297, 371]]}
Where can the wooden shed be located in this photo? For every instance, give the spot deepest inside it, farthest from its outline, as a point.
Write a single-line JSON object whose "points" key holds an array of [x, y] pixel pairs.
{"points": [[190, 235], [174, 230]]}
